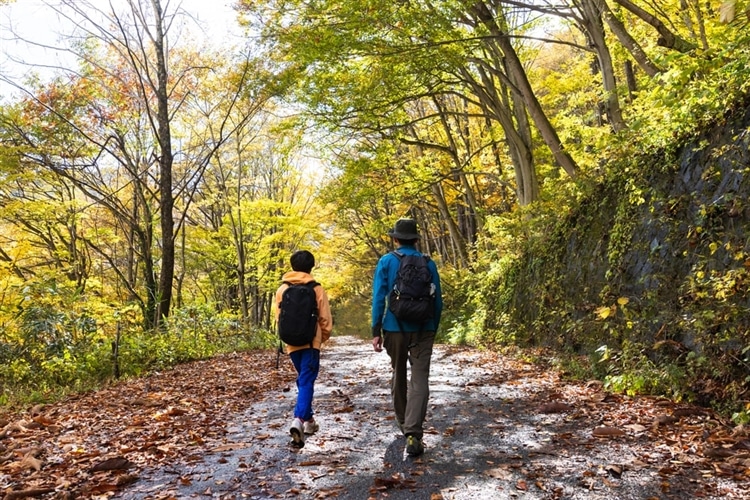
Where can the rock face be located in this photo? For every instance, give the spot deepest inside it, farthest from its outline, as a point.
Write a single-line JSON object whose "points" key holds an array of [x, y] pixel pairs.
{"points": [[666, 249]]}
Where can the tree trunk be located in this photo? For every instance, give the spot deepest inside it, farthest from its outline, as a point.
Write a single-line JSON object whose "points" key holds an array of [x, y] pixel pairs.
{"points": [[493, 103], [696, 6], [468, 192], [462, 258], [522, 148], [667, 38], [592, 20], [627, 41], [237, 232], [166, 277], [630, 79], [517, 76]]}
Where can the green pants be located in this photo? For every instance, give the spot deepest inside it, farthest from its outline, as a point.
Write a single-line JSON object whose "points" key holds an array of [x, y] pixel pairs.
{"points": [[410, 350]]}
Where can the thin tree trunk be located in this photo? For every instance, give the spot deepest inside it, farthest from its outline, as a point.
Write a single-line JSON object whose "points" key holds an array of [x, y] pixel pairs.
{"points": [[627, 41], [592, 18], [696, 6], [166, 277], [453, 230], [491, 100], [518, 77], [667, 38], [459, 167], [630, 79]]}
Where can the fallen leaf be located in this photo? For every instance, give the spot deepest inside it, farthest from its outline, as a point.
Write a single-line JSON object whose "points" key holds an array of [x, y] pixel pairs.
{"points": [[499, 473], [176, 412], [636, 427], [608, 432], [555, 407], [31, 462], [614, 470], [43, 420], [117, 463], [101, 489], [687, 412], [717, 453], [310, 463], [30, 493], [665, 420]]}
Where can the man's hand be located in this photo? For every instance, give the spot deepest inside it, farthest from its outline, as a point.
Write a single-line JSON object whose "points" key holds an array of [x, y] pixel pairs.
{"points": [[377, 343]]}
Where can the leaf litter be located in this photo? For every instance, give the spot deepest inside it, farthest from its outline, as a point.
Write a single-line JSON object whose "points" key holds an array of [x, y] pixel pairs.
{"points": [[497, 428]]}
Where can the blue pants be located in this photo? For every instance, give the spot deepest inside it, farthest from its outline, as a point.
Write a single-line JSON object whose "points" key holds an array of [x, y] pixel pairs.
{"points": [[307, 364]]}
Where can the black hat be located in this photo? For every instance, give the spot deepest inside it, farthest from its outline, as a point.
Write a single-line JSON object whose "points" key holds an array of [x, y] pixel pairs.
{"points": [[405, 229]]}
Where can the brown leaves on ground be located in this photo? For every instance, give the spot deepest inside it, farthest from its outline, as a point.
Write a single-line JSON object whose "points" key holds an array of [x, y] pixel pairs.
{"points": [[395, 481], [677, 439], [95, 443]]}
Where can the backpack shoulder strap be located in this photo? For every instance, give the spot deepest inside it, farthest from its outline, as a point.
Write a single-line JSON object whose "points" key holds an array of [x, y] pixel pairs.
{"points": [[401, 255]]}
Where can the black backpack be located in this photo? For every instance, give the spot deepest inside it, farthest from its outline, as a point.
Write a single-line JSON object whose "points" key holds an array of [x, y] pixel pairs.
{"points": [[412, 298], [298, 314]]}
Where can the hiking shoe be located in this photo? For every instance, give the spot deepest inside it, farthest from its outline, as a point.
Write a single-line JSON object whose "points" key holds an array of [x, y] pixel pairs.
{"points": [[311, 427], [298, 433], [414, 446]]}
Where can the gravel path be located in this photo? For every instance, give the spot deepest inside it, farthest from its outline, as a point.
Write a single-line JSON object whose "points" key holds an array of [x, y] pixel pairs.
{"points": [[496, 429]]}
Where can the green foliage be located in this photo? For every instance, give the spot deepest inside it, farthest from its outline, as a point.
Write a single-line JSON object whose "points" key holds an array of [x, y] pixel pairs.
{"points": [[462, 321], [61, 349], [628, 281], [693, 93], [630, 370]]}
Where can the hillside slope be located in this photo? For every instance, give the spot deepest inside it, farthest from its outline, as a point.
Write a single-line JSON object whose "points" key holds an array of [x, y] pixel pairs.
{"points": [[654, 264]]}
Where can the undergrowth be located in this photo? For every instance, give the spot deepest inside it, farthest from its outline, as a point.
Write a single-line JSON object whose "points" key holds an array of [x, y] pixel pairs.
{"points": [[53, 363]]}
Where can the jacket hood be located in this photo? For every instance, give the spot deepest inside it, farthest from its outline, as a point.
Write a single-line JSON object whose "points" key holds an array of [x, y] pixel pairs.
{"points": [[297, 277]]}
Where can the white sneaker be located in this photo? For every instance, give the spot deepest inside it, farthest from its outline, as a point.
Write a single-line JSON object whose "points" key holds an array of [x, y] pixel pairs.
{"points": [[311, 427], [298, 433]]}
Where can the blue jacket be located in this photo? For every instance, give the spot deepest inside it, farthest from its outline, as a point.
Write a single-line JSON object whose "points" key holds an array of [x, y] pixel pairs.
{"points": [[385, 277]]}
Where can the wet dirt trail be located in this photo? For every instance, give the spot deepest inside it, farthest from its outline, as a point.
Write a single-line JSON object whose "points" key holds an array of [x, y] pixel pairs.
{"points": [[496, 429]]}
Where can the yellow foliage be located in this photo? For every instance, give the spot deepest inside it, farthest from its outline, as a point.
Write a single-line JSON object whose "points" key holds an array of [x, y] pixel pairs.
{"points": [[605, 312]]}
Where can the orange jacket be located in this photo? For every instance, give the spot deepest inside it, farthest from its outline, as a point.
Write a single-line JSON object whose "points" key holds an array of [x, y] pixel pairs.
{"points": [[325, 319]]}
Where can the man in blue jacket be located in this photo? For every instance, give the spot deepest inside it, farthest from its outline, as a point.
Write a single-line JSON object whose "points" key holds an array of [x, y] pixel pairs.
{"points": [[405, 340]]}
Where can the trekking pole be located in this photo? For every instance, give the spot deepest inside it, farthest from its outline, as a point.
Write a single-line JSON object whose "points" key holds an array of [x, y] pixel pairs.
{"points": [[278, 355]]}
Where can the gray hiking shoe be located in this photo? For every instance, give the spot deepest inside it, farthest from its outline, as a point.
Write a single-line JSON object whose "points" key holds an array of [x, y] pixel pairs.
{"points": [[414, 446], [298, 433], [311, 427]]}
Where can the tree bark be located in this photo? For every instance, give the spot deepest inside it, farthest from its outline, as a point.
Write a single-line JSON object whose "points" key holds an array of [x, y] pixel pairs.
{"points": [[630, 79], [519, 148], [519, 79], [166, 276], [667, 38], [594, 26], [627, 41]]}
